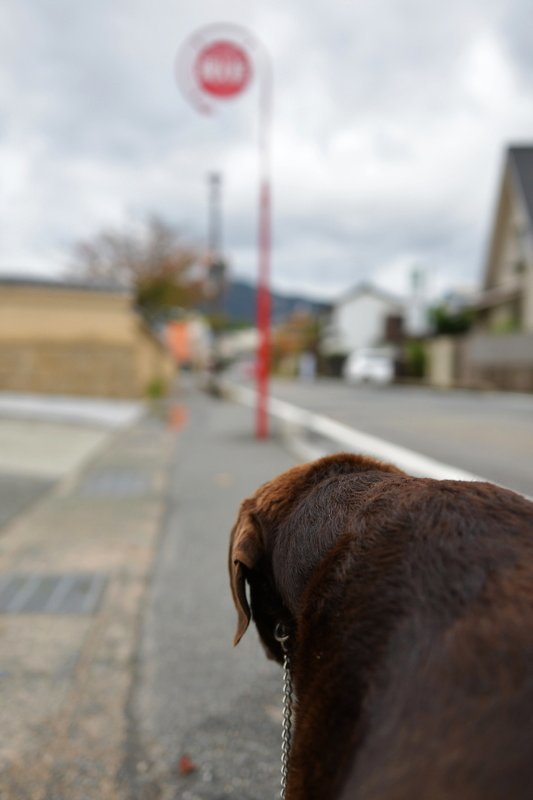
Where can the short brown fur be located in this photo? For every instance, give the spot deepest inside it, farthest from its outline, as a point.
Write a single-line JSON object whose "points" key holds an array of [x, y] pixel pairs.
{"points": [[410, 607]]}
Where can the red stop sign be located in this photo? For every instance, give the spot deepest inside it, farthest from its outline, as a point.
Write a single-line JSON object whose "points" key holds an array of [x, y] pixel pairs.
{"points": [[222, 69]]}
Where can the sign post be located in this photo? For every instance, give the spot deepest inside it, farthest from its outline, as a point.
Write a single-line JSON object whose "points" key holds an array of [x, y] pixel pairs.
{"points": [[217, 63]]}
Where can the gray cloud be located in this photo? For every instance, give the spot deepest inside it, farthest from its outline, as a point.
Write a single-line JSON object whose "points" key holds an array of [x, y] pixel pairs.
{"points": [[390, 122]]}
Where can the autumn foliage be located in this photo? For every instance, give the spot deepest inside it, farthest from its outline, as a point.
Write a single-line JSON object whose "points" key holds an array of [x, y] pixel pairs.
{"points": [[162, 271]]}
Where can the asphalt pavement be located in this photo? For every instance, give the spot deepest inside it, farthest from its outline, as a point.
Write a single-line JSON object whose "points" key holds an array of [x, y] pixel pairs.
{"points": [[489, 434], [197, 696]]}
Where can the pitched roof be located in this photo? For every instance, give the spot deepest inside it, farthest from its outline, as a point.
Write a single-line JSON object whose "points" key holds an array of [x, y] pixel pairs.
{"points": [[521, 163], [369, 289]]}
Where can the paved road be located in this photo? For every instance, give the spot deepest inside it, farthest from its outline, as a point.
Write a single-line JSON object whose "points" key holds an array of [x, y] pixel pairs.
{"points": [[488, 434]]}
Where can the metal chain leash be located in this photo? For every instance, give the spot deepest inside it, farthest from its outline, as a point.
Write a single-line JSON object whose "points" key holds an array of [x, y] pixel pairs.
{"points": [[282, 637], [286, 735]]}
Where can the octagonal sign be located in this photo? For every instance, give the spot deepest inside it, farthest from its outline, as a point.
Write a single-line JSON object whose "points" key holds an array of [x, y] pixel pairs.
{"points": [[222, 69]]}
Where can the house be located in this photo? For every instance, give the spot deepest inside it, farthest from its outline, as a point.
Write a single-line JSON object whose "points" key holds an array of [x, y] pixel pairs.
{"points": [[74, 339], [366, 316], [506, 303], [498, 352]]}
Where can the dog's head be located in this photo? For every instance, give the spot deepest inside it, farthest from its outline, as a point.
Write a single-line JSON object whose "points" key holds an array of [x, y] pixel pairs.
{"points": [[281, 534]]}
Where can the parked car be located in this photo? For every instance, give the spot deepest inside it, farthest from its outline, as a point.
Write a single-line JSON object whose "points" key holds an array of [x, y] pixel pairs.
{"points": [[369, 364]]}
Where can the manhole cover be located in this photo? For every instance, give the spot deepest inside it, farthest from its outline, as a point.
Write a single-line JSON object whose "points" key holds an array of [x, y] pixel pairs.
{"points": [[78, 593]]}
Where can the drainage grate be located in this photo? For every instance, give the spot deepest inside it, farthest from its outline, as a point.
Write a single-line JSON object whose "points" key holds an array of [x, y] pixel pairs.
{"points": [[115, 483], [77, 593]]}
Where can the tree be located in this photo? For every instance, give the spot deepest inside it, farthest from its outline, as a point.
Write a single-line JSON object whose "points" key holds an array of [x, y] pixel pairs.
{"points": [[162, 272], [298, 334], [451, 322]]}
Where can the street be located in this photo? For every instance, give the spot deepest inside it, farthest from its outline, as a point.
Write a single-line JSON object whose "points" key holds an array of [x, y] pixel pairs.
{"points": [[488, 434]]}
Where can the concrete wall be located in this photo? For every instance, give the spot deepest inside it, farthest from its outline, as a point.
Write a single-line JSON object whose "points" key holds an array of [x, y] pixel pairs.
{"points": [[76, 368], [154, 364], [442, 361], [482, 361], [75, 341], [29, 313], [498, 362]]}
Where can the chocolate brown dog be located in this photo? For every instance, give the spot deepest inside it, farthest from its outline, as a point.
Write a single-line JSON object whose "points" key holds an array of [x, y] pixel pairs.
{"points": [[409, 604]]}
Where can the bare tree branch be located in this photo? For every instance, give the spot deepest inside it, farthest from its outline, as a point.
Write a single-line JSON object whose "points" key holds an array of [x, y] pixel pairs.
{"points": [[152, 261]]}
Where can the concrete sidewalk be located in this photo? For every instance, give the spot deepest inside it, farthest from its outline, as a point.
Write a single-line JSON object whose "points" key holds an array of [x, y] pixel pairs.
{"points": [[196, 694], [73, 571], [43, 439], [116, 621]]}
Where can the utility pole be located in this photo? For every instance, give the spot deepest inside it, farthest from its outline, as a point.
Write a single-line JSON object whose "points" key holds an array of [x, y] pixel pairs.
{"points": [[216, 266], [214, 223]]}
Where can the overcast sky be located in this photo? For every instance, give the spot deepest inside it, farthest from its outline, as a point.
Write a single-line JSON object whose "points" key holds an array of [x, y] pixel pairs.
{"points": [[390, 122]]}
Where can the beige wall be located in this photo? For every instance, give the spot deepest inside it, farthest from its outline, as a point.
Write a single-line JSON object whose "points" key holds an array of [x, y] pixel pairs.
{"points": [[74, 341], [482, 361], [154, 362], [77, 368], [442, 361], [35, 313]]}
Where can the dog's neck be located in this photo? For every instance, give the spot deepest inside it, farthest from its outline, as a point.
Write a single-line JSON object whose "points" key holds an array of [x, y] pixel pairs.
{"points": [[301, 541]]}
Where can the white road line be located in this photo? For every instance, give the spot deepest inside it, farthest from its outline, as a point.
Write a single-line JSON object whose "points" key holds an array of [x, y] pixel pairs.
{"points": [[352, 439]]}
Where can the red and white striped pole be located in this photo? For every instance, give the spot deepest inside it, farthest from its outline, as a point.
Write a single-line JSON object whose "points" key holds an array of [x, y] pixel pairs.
{"points": [[216, 63]]}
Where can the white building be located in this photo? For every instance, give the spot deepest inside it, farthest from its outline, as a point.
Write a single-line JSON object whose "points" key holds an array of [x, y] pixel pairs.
{"points": [[364, 317], [237, 344]]}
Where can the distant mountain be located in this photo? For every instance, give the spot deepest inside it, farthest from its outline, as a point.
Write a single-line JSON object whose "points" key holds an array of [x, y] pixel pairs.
{"points": [[239, 303]]}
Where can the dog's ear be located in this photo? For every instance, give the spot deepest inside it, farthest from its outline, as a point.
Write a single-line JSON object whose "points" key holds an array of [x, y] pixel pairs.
{"points": [[246, 548]]}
